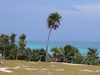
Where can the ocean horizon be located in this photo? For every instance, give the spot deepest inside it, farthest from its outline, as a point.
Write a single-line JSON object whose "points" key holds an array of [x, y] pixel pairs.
{"points": [[82, 46]]}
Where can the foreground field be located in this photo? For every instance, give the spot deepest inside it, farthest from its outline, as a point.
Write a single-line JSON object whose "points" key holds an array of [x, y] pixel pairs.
{"points": [[16, 67]]}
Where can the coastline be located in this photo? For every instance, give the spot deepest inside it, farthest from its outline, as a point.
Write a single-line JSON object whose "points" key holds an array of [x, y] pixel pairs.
{"points": [[81, 46]]}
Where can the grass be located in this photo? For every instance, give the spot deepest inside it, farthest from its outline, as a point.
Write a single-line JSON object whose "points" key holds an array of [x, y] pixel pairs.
{"points": [[48, 68]]}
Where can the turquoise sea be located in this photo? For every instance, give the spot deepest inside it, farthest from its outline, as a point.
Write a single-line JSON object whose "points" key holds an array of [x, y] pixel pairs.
{"points": [[81, 46]]}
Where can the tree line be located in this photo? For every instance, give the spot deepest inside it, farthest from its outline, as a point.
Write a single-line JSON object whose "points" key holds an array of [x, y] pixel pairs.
{"points": [[70, 54]]}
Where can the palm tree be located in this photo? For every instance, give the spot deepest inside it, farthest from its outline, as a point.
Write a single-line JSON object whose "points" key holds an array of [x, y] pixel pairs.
{"points": [[4, 42], [22, 37], [42, 54], [53, 22], [68, 53], [92, 56], [12, 38], [56, 52], [21, 44]]}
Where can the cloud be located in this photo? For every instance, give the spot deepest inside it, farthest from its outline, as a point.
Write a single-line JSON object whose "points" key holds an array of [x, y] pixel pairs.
{"points": [[90, 9], [86, 9], [88, 12]]}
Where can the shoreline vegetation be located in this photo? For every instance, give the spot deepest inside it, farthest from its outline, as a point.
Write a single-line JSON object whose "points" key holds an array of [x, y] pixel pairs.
{"points": [[67, 54]]}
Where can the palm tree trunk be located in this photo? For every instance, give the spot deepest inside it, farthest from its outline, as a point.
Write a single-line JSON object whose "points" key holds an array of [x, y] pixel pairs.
{"points": [[4, 53], [47, 45], [17, 55]]}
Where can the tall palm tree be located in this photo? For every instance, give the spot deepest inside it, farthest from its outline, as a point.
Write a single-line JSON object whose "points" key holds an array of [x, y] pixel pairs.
{"points": [[53, 22]]}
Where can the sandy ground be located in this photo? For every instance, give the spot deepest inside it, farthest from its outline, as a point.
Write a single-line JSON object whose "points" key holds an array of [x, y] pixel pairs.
{"points": [[90, 70], [68, 63], [6, 69]]}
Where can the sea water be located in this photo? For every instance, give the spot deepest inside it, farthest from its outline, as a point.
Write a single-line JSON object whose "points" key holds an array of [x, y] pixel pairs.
{"points": [[81, 46]]}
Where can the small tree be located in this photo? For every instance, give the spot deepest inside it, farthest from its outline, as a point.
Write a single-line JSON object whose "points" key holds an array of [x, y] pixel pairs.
{"points": [[12, 38], [4, 42], [22, 45], [78, 58], [92, 57], [56, 53], [68, 53]]}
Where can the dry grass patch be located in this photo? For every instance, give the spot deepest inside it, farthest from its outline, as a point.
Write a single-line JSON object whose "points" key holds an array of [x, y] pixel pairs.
{"points": [[42, 68]]}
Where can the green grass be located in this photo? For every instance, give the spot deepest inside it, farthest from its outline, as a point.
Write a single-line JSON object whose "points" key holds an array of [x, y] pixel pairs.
{"points": [[52, 68]]}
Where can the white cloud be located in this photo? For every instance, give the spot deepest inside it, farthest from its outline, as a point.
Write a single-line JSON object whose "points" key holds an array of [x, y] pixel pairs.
{"points": [[87, 13], [85, 9], [90, 9]]}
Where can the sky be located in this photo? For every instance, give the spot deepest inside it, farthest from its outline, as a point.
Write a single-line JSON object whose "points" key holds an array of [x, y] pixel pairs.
{"points": [[80, 19]]}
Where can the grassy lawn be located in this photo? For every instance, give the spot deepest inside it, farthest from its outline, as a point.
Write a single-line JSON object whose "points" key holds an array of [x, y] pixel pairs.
{"points": [[42, 68]]}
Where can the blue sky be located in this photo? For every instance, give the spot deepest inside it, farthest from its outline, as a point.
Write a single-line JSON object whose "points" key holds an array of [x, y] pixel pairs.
{"points": [[81, 19]]}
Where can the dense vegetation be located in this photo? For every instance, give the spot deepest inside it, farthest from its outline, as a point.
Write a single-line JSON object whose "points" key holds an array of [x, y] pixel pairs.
{"points": [[12, 51]]}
